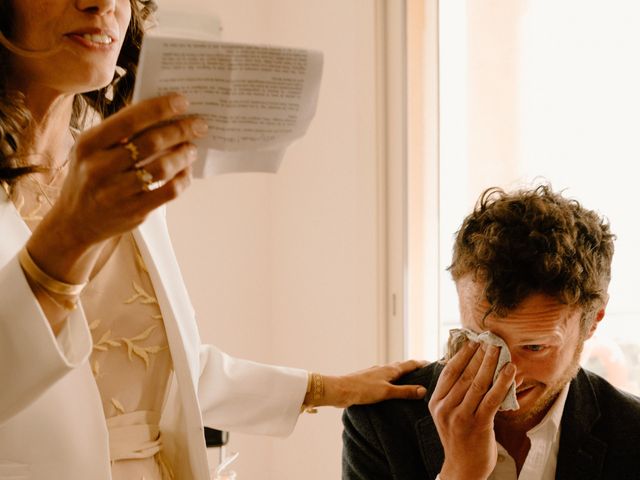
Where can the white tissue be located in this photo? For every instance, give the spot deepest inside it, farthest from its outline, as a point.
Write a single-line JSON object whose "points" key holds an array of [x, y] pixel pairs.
{"points": [[459, 336]]}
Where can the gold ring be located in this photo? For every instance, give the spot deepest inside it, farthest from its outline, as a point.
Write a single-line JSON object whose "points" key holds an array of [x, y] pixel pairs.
{"points": [[145, 177], [133, 151]]}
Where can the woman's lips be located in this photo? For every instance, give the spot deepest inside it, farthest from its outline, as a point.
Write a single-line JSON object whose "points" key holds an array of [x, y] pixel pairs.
{"points": [[94, 38]]}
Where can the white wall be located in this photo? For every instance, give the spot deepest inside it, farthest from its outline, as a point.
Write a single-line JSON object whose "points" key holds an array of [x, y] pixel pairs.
{"points": [[285, 269]]}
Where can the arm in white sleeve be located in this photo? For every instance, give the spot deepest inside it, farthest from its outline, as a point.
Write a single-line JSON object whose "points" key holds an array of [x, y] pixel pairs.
{"points": [[32, 358], [249, 397]]}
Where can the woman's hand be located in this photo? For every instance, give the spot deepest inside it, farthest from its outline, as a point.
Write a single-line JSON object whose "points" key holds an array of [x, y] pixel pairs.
{"points": [[369, 386], [103, 195]]}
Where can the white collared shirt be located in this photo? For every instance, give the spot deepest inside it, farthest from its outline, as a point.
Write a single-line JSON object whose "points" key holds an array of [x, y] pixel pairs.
{"points": [[542, 458]]}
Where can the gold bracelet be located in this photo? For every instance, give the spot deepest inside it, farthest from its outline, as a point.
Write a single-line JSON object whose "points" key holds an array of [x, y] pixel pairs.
{"points": [[46, 281], [318, 386]]}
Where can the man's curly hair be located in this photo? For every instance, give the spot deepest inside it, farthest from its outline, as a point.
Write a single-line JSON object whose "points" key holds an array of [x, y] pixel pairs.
{"points": [[535, 241]]}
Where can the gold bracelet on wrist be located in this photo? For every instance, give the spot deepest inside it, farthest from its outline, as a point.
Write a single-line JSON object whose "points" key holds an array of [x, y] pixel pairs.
{"points": [[318, 387], [46, 281]]}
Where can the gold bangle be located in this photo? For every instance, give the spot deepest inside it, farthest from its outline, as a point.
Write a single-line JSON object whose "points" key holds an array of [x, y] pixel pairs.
{"points": [[44, 279]]}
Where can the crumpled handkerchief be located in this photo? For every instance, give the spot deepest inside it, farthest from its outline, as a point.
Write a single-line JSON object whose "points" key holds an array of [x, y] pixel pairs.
{"points": [[459, 336]]}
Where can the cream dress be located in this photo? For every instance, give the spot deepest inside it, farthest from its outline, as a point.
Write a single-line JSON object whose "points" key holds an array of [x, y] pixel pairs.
{"points": [[130, 361]]}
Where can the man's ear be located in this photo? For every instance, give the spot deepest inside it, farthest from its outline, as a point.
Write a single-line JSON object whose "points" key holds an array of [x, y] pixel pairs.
{"points": [[598, 317]]}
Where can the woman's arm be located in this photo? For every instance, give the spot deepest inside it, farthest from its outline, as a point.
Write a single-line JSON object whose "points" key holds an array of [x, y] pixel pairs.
{"points": [[103, 195], [31, 358], [365, 386], [250, 397]]}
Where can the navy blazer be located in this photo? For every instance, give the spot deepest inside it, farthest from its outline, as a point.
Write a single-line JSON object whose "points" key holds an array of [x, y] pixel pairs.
{"points": [[397, 439]]}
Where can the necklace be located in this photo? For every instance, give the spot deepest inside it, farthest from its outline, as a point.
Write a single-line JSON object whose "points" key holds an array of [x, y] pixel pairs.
{"points": [[42, 186], [45, 194]]}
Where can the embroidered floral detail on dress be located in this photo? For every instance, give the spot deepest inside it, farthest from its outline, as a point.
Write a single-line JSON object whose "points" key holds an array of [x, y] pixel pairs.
{"points": [[142, 352], [141, 294], [118, 406], [105, 342]]}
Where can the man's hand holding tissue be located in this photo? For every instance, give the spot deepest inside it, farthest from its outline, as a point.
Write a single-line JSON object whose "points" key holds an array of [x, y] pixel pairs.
{"points": [[463, 406]]}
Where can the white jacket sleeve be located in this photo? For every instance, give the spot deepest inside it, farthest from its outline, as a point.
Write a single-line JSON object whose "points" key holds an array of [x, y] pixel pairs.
{"points": [[32, 358], [249, 397]]}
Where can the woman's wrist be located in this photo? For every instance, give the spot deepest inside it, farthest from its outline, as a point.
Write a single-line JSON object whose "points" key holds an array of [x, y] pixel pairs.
{"points": [[326, 390], [58, 254]]}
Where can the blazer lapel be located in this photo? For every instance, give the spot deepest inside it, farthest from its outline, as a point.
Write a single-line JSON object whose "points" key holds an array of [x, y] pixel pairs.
{"points": [[153, 241], [178, 316], [430, 446], [581, 454]]}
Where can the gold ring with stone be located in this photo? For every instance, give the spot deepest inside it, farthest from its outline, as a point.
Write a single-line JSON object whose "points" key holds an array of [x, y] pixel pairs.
{"points": [[145, 178], [133, 151]]}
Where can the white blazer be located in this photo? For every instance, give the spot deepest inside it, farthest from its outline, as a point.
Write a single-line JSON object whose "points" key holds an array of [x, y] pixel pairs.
{"points": [[51, 418]]}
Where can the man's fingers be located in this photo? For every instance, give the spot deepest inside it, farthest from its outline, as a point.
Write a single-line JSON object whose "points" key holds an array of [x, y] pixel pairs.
{"points": [[407, 391], [132, 120], [454, 369], [483, 379], [496, 394]]}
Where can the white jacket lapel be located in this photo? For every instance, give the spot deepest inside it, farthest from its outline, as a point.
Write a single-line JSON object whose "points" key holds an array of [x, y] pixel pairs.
{"points": [[153, 241]]}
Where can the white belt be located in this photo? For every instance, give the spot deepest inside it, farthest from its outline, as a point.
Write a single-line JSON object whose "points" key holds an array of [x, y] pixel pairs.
{"points": [[134, 435]]}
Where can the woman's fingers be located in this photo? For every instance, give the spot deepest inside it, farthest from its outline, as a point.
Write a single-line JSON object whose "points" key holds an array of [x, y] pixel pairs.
{"points": [[167, 192], [400, 369], [146, 146], [161, 169], [130, 121], [410, 392], [165, 136]]}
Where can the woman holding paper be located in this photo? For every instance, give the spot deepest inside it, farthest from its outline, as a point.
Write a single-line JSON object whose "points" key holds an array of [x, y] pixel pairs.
{"points": [[102, 371]]}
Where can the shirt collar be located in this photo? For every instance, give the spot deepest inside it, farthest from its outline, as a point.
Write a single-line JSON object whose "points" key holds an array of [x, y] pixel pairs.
{"points": [[550, 424]]}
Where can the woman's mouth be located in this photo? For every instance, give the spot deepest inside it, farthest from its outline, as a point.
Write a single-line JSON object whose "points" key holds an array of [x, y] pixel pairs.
{"points": [[100, 39]]}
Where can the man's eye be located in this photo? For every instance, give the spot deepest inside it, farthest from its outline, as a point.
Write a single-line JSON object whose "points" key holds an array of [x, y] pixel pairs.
{"points": [[534, 348]]}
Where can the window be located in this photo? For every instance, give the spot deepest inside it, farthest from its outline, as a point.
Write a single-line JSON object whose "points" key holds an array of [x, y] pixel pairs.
{"points": [[533, 91]]}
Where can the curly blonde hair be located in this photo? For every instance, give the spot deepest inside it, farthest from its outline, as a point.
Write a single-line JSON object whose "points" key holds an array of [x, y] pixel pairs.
{"points": [[535, 241], [15, 118]]}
